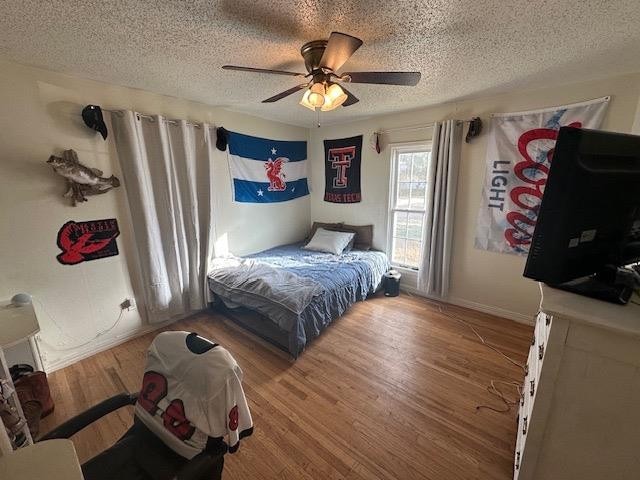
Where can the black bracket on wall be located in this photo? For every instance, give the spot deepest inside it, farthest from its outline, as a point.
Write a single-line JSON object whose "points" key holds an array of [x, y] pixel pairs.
{"points": [[475, 128]]}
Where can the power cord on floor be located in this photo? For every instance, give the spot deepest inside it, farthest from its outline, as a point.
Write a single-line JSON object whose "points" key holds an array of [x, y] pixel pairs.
{"points": [[492, 388], [484, 342]]}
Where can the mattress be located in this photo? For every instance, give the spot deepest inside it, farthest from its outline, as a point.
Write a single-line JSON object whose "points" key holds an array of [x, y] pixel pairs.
{"points": [[341, 280]]}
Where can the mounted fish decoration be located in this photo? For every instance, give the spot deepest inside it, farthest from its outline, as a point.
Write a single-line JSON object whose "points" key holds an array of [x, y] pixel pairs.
{"points": [[81, 180]]}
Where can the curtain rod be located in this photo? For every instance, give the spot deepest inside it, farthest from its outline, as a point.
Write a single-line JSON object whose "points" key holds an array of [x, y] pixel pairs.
{"points": [[414, 127], [152, 118], [199, 125]]}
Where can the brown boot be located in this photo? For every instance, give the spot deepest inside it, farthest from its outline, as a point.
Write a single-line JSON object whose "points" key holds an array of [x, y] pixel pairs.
{"points": [[34, 386], [10, 418]]}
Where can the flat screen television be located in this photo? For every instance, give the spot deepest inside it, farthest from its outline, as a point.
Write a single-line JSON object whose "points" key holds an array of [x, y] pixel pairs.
{"points": [[588, 225]]}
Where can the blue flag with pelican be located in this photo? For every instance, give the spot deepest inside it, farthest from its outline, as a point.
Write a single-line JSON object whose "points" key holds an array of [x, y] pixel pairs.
{"points": [[267, 171]]}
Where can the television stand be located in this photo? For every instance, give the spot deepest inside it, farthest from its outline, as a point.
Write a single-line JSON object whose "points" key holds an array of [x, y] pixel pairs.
{"points": [[612, 284]]}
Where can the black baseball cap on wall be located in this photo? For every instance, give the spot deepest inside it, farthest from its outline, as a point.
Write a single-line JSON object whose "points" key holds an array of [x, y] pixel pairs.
{"points": [[222, 138], [92, 116]]}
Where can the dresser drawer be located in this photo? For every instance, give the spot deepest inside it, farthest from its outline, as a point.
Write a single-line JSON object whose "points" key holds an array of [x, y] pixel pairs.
{"points": [[540, 330], [517, 457], [520, 443], [525, 416], [539, 345], [543, 327], [541, 335], [532, 369]]}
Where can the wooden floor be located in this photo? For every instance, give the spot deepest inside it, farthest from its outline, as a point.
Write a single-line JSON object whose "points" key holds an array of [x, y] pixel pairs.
{"points": [[389, 391]]}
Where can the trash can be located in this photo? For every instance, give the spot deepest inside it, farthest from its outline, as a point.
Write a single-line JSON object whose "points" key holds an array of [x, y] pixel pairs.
{"points": [[392, 283]]}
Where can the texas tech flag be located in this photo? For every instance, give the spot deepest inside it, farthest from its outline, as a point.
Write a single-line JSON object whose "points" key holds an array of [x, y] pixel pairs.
{"points": [[342, 170]]}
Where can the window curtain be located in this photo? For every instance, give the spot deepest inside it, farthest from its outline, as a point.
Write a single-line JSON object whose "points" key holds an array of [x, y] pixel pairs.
{"points": [[166, 171], [442, 179]]}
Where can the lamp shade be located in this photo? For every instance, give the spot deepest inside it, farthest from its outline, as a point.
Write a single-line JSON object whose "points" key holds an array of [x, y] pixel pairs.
{"points": [[317, 88], [334, 97], [305, 101], [316, 97]]}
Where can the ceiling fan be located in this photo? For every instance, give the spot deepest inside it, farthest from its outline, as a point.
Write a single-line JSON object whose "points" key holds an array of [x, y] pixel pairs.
{"points": [[325, 88]]}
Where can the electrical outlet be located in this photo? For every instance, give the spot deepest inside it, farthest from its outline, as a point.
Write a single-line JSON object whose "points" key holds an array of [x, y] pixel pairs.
{"points": [[128, 304]]}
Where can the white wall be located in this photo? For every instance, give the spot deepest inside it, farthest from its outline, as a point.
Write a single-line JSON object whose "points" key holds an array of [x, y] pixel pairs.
{"points": [[41, 116], [480, 279]]}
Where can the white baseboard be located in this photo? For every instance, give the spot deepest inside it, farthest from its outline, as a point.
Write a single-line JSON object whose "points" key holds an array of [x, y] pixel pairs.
{"points": [[110, 343], [480, 307], [493, 310]]}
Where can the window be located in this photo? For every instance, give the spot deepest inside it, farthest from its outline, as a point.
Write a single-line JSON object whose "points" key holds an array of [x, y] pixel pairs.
{"points": [[407, 203]]}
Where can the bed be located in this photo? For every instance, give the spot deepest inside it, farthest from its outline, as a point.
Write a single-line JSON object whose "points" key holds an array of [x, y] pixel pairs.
{"points": [[288, 295]]}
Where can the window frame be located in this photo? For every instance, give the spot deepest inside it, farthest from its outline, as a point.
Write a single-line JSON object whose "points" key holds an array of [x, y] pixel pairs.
{"points": [[396, 149]]}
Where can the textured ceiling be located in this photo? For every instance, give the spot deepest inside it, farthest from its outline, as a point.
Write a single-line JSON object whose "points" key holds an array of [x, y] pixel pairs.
{"points": [[463, 48]]}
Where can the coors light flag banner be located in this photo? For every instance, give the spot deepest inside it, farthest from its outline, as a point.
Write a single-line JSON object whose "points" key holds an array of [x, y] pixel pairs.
{"points": [[519, 153], [342, 159]]}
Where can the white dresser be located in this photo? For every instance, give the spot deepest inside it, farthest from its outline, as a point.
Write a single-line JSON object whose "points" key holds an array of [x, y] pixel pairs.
{"points": [[579, 416]]}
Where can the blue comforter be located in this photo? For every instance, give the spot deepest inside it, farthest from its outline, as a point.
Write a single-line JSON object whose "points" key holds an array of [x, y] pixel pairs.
{"points": [[343, 280]]}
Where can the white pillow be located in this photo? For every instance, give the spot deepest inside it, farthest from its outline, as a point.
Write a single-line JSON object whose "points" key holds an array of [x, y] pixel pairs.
{"points": [[328, 241]]}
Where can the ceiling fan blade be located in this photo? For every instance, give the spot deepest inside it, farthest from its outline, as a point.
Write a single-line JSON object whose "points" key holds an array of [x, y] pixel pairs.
{"points": [[409, 79], [284, 94], [339, 48], [351, 98], [262, 70]]}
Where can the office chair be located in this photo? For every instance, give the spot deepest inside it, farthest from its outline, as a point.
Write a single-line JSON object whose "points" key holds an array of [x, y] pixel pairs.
{"points": [[140, 454]]}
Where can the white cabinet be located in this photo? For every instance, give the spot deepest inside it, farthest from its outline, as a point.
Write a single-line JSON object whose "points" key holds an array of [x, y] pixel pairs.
{"points": [[579, 417]]}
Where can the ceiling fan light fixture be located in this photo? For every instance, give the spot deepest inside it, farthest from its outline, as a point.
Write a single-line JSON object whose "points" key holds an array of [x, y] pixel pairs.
{"points": [[318, 87], [334, 97], [305, 101], [316, 99], [317, 95]]}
